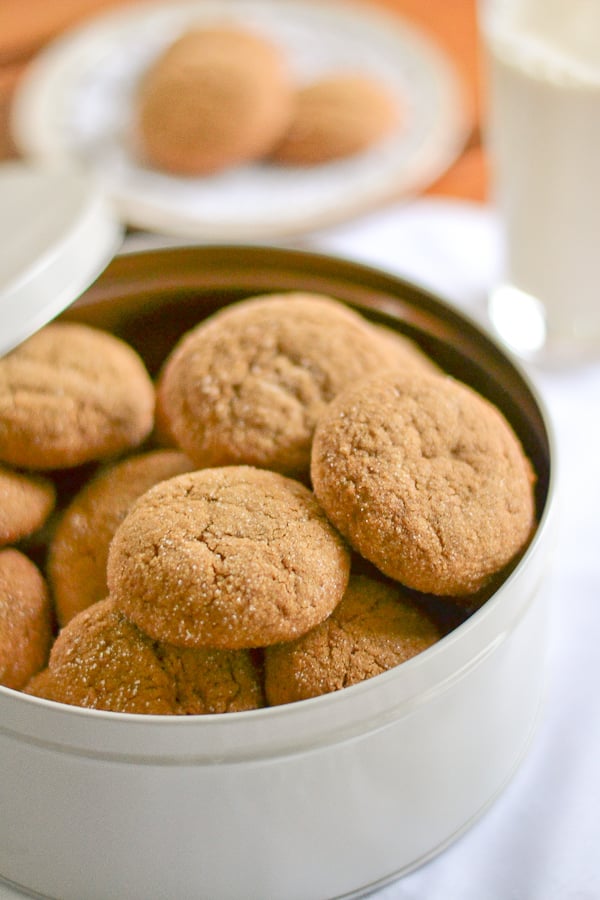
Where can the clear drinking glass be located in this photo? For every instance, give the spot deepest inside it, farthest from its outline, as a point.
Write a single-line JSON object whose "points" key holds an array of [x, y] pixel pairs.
{"points": [[542, 71]]}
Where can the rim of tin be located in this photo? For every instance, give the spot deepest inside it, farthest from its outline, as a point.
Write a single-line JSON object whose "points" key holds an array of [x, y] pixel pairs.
{"points": [[151, 279]]}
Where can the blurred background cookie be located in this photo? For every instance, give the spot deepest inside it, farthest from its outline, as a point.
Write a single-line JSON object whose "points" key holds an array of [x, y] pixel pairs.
{"points": [[337, 116], [217, 97]]}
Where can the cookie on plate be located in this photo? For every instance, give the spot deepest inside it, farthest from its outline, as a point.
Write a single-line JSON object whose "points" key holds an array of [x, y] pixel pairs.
{"points": [[247, 385], [215, 98], [233, 557], [340, 115], [374, 628], [101, 661], [426, 479], [26, 501], [25, 619], [72, 394], [79, 547]]}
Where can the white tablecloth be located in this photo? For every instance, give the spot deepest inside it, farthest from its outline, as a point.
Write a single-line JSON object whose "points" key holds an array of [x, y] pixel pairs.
{"points": [[541, 839]]}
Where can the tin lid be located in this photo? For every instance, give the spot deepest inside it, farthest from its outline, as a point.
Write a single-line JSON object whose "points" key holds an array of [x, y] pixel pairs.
{"points": [[57, 234]]}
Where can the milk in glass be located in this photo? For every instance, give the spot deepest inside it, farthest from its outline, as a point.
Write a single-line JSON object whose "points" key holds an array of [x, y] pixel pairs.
{"points": [[543, 134]]}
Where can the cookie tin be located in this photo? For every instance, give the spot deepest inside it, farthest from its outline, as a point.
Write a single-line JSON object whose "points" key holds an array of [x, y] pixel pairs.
{"points": [[326, 798]]}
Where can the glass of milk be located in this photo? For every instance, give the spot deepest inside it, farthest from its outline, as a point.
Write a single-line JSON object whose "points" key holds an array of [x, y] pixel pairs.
{"points": [[543, 134]]}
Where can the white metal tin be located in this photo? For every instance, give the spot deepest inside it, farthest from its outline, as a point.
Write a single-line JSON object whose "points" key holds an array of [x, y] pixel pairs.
{"points": [[320, 799]]}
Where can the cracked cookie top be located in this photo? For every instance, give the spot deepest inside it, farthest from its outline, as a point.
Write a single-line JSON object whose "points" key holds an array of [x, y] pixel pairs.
{"points": [[247, 385], [72, 394], [374, 628], [230, 557], [426, 479], [102, 661]]}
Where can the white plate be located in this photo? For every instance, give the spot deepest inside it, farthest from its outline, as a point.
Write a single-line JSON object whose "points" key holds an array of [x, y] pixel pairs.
{"points": [[75, 105]]}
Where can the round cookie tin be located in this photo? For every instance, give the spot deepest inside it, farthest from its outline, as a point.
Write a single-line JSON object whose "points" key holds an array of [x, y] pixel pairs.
{"points": [[325, 798]]}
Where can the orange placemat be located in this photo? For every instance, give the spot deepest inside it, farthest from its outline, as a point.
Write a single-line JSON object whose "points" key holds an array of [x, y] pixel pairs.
{"points": [[453, 25], [27, 26]]}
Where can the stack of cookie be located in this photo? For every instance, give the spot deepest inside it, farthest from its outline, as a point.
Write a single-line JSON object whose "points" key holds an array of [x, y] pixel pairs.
{"points": [[68, 396], [222, 96], [320, 480]]}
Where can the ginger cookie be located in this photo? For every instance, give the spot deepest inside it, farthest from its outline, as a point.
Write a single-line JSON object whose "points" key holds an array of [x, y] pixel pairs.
{"points": [[26, 501], [217, 97], [335, 117], [25, 619], [231, 558], [101, 661], [71, 394], [212, 681], [40, 684], [374, 628], [79, 548], [247, 385], [408, 355], [161, 435], [426, 479]]}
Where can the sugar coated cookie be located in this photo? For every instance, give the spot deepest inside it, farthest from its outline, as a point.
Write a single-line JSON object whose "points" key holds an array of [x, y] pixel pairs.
{"points": [[71, 394], [230, 557], [426, 479], [79, 548], [25, 619], [102, 661], [248, 384], [338, 116], [374, 628], [215, 98], [26, 501]]}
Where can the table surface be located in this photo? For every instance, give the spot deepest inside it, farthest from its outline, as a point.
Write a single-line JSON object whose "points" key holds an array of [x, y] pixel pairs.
{"points": [[539, 841]]}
